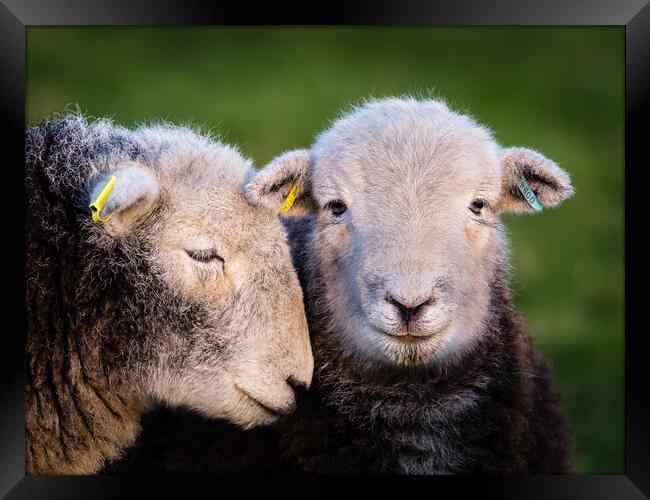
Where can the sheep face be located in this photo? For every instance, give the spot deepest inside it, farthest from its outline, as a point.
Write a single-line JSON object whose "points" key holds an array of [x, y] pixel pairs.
{"points": [[231, 340], [407, 238]]}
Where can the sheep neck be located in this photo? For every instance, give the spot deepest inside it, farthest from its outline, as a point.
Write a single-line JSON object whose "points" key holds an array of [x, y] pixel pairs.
{"points": [[80, 410]]}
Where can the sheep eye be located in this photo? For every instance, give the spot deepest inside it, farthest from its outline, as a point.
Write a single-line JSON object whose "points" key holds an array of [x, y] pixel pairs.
{"points": [[205, 256], [477, 205], [337, 207]]}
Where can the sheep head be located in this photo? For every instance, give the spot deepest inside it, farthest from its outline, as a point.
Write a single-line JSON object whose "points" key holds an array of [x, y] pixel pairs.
{"points": [[406, 196], [181, 288]]}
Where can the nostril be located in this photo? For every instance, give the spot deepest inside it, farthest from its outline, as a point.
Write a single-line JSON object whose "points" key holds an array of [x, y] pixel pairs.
{"points": [[299, 387], [409, 312]]}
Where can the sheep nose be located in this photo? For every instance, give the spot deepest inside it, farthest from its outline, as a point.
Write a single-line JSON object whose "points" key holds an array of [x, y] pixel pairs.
{"points": [[409, 311], [299, 388]]}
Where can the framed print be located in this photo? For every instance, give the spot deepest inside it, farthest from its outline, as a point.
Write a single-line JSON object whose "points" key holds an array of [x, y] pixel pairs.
{"points": [[386, 239]]}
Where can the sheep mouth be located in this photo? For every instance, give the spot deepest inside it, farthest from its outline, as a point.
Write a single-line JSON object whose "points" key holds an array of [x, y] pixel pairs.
{"points": [[410, 339], [274, 411], [406, 337]]}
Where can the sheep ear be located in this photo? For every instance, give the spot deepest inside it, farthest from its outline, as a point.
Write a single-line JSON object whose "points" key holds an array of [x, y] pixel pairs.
{"points": [[284, 185], [122, 197], [530, 181]]}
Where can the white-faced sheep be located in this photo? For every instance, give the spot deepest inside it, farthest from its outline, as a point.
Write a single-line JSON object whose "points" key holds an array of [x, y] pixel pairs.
{"points": [[422, 363], [183, 292]]}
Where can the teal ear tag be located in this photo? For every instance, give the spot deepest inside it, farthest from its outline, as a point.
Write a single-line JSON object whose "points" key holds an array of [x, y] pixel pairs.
{"points": [[528, 193]]}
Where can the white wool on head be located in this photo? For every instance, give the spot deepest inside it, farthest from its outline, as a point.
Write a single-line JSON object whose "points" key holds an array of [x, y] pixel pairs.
{"points": [[408, 195]]}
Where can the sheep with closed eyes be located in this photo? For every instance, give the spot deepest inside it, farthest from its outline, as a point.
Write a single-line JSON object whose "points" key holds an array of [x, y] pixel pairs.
{"points": [[172, 289]]}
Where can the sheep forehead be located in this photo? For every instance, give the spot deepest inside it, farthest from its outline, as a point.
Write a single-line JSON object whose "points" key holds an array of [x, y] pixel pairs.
{"points": [[398, 147], [219, 216], [202, 185], [187, 157]]}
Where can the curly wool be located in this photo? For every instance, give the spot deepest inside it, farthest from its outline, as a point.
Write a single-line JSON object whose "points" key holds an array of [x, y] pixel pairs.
{"points": [[94, 307]]}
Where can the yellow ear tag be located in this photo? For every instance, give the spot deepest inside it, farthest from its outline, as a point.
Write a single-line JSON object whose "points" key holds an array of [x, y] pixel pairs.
{"points": [[291, 197], [98, 205]]}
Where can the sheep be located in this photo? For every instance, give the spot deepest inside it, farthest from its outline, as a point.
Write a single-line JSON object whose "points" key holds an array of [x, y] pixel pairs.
{"points": [[422, 363], [173, 288]]}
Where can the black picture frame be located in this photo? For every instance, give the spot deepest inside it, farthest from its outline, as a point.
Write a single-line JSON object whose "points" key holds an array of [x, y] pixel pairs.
{"points": [[634, 15]]}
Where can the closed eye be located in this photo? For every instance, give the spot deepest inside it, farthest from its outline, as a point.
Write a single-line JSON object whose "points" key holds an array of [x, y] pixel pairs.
{"points": [[205, 256]]}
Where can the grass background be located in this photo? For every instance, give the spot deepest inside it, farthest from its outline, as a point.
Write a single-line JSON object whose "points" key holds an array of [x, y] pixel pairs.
{"points": [[559, 90]]}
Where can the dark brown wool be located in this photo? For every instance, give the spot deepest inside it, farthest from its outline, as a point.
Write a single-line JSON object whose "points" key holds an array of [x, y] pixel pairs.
{"points": [[493, 412], [91, 323]]}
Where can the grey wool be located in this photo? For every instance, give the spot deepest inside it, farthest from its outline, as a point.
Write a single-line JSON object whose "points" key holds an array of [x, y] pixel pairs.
{"points": [[160, 304]]}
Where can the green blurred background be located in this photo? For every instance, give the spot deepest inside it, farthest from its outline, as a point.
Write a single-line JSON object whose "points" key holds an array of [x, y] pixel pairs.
{"points": [[558, 90]]}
